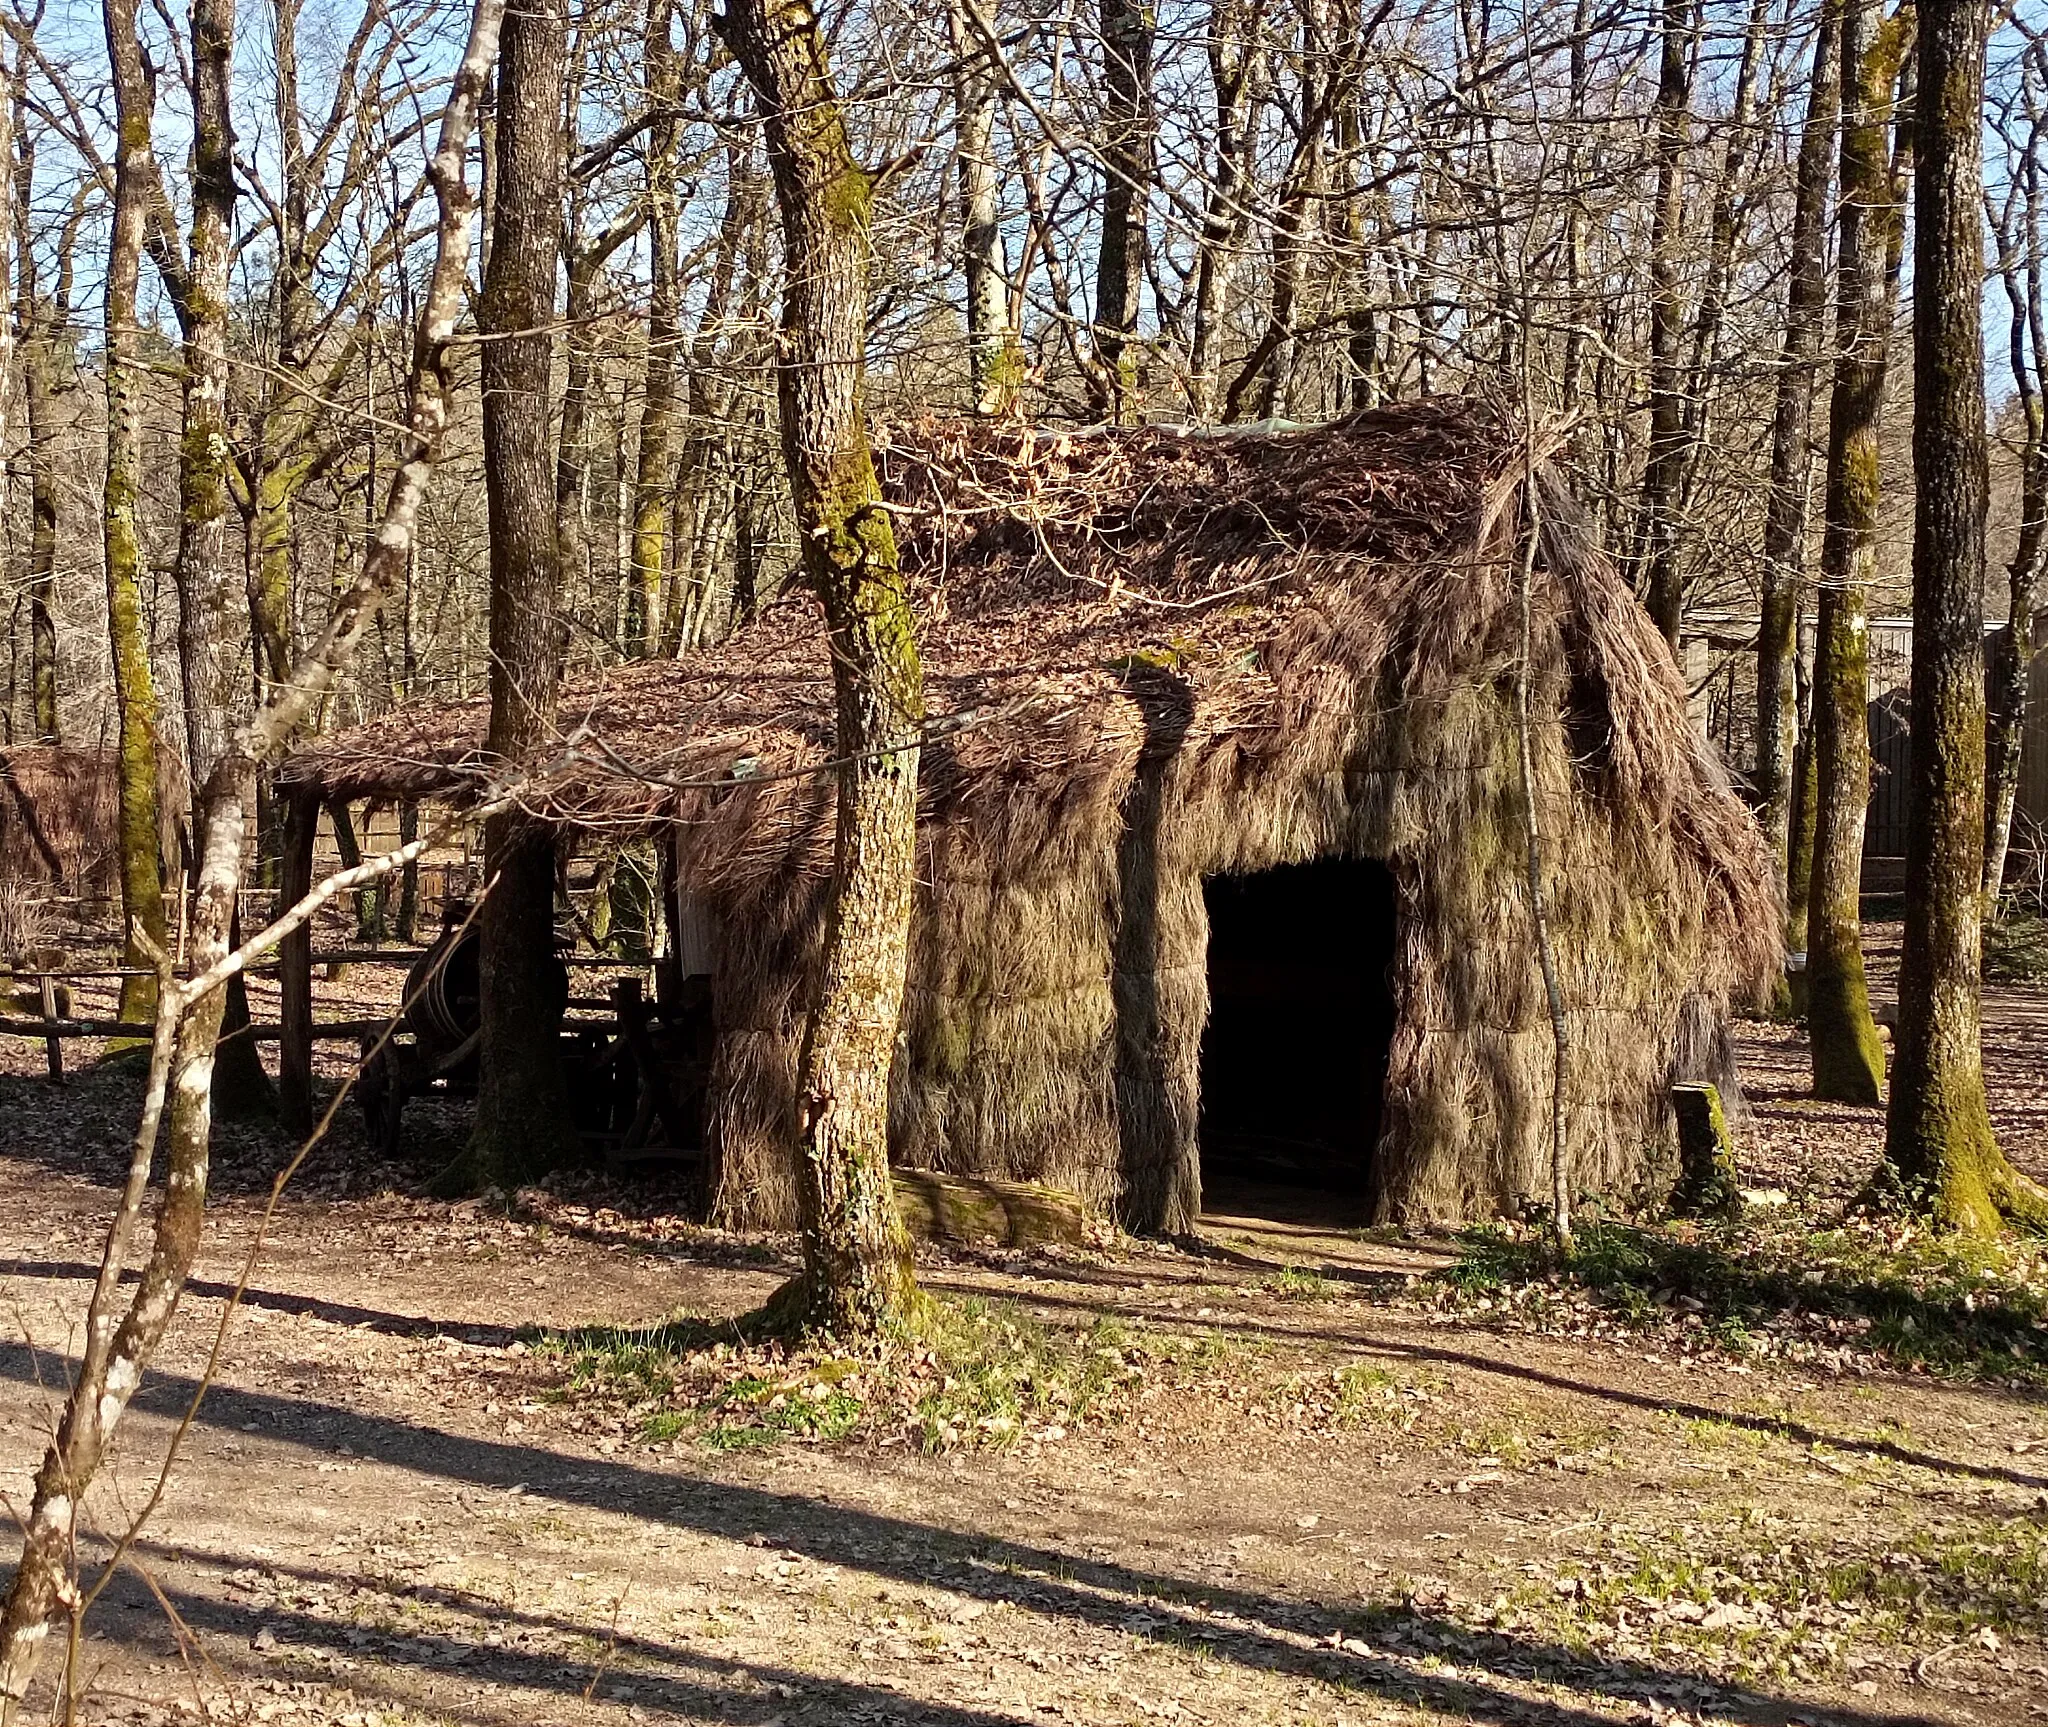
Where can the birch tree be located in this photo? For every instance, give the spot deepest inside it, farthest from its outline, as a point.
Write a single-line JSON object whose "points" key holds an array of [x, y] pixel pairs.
{"points": [[120, 1341]]}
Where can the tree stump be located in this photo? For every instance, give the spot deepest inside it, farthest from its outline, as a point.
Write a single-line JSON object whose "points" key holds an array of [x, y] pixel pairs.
{"points": [[1706, 1155]]}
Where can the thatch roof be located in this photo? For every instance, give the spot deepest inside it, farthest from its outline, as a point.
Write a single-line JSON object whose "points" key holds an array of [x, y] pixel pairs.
{"points": [[1058, 576], [1043, 564]]}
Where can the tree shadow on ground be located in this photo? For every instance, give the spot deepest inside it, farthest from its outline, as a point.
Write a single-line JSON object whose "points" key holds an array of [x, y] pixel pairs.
{"points": [[708, 1687], [375, 1319], [1259, 1631], [1367, 1280], [1945, 1306], [1783, 1427], [498, 1336]]}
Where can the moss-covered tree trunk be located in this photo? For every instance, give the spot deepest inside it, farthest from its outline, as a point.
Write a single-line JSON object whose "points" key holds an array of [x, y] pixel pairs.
{"points": [[1799, 854], [523, 1124], [213, 615], [37, 319], [2006, 678], [135, 703], [38, 359], [857, 1272], [1938, 1140], [1848, 1058], [1785, 518]]}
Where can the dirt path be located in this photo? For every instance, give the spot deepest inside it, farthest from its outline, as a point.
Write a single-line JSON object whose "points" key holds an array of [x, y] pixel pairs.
{"points": [[1335, 1495]]}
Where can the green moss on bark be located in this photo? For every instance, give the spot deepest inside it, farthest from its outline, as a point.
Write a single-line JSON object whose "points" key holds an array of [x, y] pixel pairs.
{"points": [[1848, 1053], [1707, 1185]]}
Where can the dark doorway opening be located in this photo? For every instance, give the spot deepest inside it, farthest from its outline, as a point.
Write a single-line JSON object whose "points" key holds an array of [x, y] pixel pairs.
{"points": [[1301, 1015]]}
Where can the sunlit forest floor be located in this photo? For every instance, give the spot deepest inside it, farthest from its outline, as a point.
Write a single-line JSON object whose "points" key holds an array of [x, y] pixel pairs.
{"points": [[457, 1466]]}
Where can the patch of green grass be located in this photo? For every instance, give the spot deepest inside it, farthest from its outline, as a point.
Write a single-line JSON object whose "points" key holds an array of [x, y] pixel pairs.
{"points": [[1713, 1433], [759, 1411], [1956, 1307], [1502, 1437], [1204, 1351], [995, 1374], [617, 1361], [1369, 1396], [1301, 1283], [963, 1373], [1758, 1595], [2016, 949]]}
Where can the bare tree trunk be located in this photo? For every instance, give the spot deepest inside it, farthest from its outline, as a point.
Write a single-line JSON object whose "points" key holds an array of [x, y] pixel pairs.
{"points": [[703, 486], [857, 1272], [994, 367], [1234, 63], [1848, 1059], [523, 1126], [38, 319], [135, 703], [652, 479], [1938, 1141], [1362, 380], [1301, 199], [1724, 236], [572, 459], [1663, 579], [1126, 173], [1777, 730], [1573, 365], [2013, 648]]}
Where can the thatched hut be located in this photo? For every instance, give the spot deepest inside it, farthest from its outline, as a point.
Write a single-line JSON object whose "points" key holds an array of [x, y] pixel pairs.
{"points": [[60, 817], [1223, 847]]}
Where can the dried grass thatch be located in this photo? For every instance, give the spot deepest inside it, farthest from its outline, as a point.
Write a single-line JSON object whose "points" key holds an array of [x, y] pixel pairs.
{"points": [[60, 818], [1156, 656]]}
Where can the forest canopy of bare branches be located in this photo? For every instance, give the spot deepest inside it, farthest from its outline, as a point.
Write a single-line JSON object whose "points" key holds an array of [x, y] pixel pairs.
{"points": [[1304, 209]]}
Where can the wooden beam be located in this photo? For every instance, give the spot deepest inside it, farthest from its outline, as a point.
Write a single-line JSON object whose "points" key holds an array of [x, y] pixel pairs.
{"points": [[57, 1028], [295, 969], [326, 1031], [332, 1031], [939, 1207]]}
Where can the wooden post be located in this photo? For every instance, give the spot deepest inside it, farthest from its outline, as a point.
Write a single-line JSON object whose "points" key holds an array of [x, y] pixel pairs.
{"points": [[53, 1045], [295, 968], [666, 934]]}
